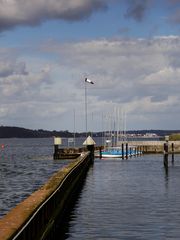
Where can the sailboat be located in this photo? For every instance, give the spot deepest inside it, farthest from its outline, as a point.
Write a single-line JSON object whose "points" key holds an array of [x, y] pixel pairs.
{"points": [[111, 148], [112, 152]]}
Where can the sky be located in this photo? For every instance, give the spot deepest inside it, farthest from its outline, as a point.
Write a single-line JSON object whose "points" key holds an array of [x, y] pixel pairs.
{"points": [[130, 49]]}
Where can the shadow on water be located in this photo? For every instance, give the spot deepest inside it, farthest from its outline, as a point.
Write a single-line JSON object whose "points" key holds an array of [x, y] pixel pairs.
{"points": [[166, 166], [137, 205], [62, 224]]}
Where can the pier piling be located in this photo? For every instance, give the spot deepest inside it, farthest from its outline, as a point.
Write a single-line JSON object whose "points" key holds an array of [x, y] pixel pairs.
{"points": [[166, 147], [122, 150], [100, 152], [127, 153]]}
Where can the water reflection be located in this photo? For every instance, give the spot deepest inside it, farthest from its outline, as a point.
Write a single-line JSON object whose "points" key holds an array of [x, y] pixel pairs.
{"points": [[173, 159], [166, 166], [128, 200], [168, 163], [62, 228]]}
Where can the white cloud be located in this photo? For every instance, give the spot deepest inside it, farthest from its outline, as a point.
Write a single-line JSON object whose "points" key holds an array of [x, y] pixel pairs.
{"points": [[16, 81], [137, 74], [167, 76], [141, 76]]}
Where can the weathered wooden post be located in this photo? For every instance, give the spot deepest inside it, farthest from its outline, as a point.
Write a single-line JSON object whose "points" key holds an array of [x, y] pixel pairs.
{"points": [[122, 150], [89, 143], [100, 152], [166, 163], [172, 145], [166, 150], [126, 150], [166, 147]]}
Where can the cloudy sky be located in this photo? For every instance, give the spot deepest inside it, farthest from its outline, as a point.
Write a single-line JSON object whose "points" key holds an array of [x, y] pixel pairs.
{"points": [[129, 48]]}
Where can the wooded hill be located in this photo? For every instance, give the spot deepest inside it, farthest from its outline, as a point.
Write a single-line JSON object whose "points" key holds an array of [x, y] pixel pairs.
{"points": [[17, 132]]}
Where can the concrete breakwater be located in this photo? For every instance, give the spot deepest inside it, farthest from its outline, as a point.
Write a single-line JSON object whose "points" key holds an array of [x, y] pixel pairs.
{"points": [[35, 216], [157, 146], [138, 146]]}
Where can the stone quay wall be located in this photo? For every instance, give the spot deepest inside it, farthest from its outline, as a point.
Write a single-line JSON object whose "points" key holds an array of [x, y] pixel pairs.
{"points": [[34, 217]]}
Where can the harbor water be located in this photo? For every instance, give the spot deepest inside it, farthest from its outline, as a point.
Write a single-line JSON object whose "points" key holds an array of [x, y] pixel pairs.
{"points": [[130, 199], [25, 165]]}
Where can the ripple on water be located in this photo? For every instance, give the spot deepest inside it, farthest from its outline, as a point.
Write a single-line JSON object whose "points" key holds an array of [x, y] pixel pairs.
{"points": [[130, 199], [25, 165]]}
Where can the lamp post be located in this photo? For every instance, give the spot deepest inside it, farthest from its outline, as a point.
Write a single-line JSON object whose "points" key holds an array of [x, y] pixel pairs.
{"points": [[85, 88]]}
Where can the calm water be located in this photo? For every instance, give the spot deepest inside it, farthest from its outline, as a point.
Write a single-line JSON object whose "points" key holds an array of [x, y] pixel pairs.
{"points": [[128, 199], [25, 164], [134, 199]]}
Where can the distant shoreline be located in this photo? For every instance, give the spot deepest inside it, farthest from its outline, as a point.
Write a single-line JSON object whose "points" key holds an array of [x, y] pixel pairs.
{"points": [[18, 132]]}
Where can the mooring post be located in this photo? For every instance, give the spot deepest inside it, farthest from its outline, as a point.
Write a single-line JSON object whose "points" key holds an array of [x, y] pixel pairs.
{"points": [[166, 147], [166, 163], [172, 153], [166, 150], [100, 152], [122, 150], [126, 150]]}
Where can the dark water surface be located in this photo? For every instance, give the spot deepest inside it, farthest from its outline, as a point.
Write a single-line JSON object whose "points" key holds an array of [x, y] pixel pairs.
{"points": [[134, 199], [128, 199], [25, 165]]}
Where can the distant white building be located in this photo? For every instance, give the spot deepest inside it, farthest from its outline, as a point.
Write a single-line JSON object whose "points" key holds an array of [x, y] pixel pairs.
{"points": [[149, 135]]}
